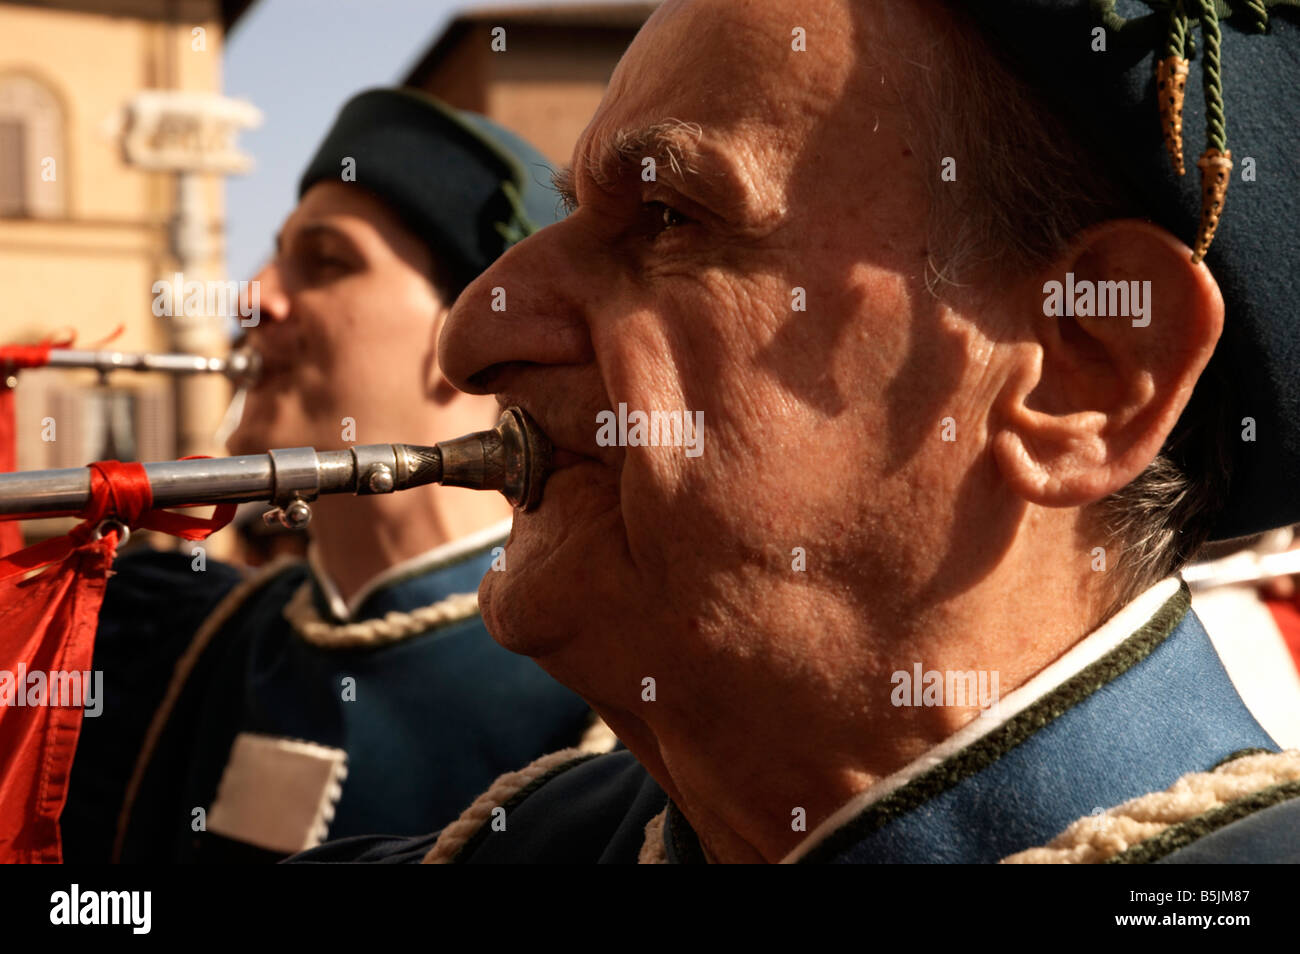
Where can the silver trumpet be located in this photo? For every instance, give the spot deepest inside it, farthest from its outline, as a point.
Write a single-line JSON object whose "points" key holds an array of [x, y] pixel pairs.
{"points": [[514, 457], [241, 366]]}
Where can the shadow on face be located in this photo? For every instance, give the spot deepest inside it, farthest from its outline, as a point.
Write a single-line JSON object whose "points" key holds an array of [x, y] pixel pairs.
{"points": [[769, 277]]}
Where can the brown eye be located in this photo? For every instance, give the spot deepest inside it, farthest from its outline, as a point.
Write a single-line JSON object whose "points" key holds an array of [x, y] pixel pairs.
{"points": [[329, 261], [322, 262], [663, 217]]}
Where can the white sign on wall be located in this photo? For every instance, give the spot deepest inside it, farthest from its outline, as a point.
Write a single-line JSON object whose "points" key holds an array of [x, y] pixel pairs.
{"points": [[185, 131]]}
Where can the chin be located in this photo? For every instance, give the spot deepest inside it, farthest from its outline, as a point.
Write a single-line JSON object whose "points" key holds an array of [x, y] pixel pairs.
{"points": [[555, 627], [518, 615]]}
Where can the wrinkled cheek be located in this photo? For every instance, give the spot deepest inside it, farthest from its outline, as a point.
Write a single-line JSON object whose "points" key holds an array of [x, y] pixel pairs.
{"points": [[677, 510]]}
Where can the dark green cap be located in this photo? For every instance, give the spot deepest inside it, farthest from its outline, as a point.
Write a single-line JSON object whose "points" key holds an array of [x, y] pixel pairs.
{"points": [[467, 187]]}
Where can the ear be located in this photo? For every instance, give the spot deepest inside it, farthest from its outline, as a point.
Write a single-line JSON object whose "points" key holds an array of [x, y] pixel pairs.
{"points": [[1092, 394]]}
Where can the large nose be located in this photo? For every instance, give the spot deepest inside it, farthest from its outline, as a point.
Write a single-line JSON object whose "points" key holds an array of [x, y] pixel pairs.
{"points": [[273, 298], [529, 308]]}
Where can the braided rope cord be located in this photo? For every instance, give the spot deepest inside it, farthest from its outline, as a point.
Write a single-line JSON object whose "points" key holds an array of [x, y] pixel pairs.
{"points": [[1103, 836], [1171, 85], [1257, 10], [653, 850], [1212, 70], [1250, 15], [1176, 41], [1177, 44], [458, 834], [393, 627]]}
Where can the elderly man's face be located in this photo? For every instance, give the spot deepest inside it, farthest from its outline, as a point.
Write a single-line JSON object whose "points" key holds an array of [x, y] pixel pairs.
{"points": [[770, 278]]}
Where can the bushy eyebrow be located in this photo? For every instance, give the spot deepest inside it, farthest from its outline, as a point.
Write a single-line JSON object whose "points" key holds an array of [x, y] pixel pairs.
{"points": [[674, 145]]}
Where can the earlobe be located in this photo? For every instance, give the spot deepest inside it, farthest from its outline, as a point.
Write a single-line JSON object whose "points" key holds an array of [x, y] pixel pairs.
{"points": [[1120, 327]]}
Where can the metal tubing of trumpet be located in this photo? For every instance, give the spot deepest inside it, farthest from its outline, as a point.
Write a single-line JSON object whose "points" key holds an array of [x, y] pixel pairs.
{"points": [[279, 474], [238, 365], [514, 458]]}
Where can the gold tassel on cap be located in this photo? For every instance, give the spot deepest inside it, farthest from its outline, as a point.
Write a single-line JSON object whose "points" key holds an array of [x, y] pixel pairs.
{"points": [[1171, 88], [1216, 171]]}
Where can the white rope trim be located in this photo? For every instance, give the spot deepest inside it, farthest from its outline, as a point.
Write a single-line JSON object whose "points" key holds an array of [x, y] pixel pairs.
{"points": [[430, 561], [1097, 838], [393, 627], [218, 618], [456, 835], [599, 738], [653, 849]]}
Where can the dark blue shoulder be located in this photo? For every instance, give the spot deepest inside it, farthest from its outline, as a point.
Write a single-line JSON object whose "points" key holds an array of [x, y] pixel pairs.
{"points": [[152, 606], [145, 580], [1269, 835], [592, 809], [366, 850]]}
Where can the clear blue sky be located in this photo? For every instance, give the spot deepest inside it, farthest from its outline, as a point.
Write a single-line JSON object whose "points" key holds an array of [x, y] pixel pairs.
{"points": [[298, 61]]}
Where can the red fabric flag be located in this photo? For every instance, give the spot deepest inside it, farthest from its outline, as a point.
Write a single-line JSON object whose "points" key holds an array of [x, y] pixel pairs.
{"points": [[14, 358], [47, 637], [11, 538], [1286, 614], [47, 625]]}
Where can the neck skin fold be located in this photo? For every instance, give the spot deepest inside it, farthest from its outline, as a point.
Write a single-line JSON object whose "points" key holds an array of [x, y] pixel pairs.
{"points": [[739, 755]]}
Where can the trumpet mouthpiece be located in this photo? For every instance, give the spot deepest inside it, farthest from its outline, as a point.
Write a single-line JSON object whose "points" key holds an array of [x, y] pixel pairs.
{"points": [[514, 457]]}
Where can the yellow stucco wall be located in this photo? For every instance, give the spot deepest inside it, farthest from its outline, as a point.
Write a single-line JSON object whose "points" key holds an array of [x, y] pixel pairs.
{"points": [[90, 266], [94, 268]]}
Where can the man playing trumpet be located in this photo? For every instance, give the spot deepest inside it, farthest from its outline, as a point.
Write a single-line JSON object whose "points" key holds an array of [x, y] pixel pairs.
{"points": [[913, 471]]}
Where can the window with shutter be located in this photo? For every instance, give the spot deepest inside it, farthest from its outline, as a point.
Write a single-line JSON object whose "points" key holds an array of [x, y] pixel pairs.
{"points": [[13, 178]]}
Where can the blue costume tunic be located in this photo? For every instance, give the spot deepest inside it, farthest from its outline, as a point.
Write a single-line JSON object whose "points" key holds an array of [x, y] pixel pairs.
{"points": [[400, 736], [1156, 706]]}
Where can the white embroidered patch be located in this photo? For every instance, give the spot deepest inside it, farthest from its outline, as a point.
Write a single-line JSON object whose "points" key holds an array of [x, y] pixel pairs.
{"points": [[278, 793]]}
